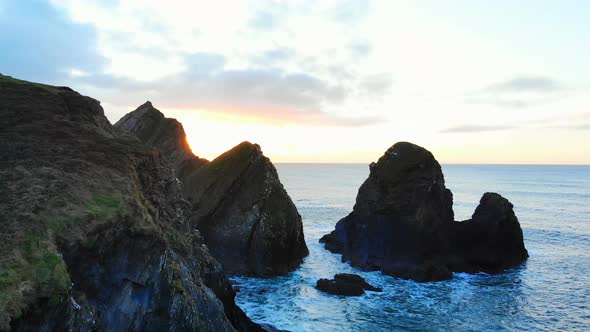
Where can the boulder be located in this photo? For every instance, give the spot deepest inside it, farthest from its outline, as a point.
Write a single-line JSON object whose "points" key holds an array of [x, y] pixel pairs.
{"points": [[238, 203], [346, 284], [403, 224]]}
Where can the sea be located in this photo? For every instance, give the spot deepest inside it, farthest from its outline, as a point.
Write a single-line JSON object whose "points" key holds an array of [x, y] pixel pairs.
{"points": [[549, 292]]}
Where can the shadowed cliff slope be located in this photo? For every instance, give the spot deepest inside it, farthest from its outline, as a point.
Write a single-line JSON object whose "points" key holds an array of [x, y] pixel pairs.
{"points": [[237, 201], [94, 231], [249, 221]]}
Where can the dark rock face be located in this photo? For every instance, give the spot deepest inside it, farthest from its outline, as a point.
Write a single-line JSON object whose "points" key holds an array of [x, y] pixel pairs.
{"points": [[402, 223], [167, 135], [248, 220], [491, 241], [94, 230], [238, 203], [346, 284]]}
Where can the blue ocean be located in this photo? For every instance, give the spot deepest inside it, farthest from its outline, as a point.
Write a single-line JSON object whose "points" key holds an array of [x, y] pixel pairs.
{"points": [[550, 292]]}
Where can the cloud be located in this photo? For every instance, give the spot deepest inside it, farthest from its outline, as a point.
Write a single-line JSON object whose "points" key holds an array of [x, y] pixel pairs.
{"points": [[526, 84], [378, 84], [583, 116], [202, 65], [39, 43], [152, 57], [519, 92], [263, 21], [576, 121], [475, 128], [269, 95], [349, 10], [360, 49], [273, 56]]}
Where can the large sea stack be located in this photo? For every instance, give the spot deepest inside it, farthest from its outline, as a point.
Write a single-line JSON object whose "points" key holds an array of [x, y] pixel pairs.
{"points": [[402, 223], [237, 201], [94, 232]]}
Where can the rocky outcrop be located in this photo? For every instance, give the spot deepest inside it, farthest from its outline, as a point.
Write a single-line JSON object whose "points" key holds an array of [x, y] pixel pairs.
{"points": [[491, 241], [402, 223], [346, 284], [167, 135], [94, 230], [237, 201], [248, 220]]}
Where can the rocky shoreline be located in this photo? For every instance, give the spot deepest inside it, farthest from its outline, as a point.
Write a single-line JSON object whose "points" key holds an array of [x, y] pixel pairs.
{"points": [[96, 233], [124, 228]]}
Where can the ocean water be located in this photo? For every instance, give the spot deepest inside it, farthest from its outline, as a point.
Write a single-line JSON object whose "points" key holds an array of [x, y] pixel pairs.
{"points": [[550, 292]]}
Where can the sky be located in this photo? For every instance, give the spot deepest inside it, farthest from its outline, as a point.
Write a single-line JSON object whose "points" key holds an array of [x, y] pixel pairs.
{"points": [[503, 82]]}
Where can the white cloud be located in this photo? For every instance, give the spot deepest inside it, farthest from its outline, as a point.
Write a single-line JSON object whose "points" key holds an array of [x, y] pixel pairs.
{"points": [[401, 71]]}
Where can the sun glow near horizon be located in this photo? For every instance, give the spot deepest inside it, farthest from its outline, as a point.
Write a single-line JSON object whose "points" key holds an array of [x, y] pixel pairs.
{"points": [[329, 81], [209, 134]]}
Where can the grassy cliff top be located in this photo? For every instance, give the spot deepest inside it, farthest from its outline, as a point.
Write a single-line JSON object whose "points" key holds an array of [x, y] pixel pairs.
{"points": [[67, 181]]}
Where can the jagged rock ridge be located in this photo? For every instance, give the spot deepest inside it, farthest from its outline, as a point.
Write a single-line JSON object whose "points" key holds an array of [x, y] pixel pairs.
{"points": [[248, 220], [167, 135], [403, 224], [94, 230]]}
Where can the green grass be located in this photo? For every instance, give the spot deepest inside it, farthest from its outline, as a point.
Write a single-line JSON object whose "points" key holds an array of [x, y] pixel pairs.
{"points": [[177, 284], [35, 269], [36, 272], [104, 205], [177, 277]]}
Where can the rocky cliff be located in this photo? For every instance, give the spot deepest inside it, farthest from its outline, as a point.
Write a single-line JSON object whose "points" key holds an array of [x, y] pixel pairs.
{"points": [[246, 216], [167, 135], [402, 223], [94, 231], [237, 201]]}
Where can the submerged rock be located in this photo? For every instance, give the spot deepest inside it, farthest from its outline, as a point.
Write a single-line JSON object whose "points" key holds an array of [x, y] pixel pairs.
{"points": [[95, 232], [345, 284], [402, 223], [237, 201]]}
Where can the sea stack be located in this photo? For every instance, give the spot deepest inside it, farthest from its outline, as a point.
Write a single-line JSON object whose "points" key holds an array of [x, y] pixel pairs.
{"points": [[402, 223], [238, 203], [95, 234], [491, 241]]}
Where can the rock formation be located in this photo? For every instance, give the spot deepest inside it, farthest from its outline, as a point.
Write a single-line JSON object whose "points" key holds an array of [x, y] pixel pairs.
{"points": [[491, 241], [246, 216], [346, 284], [402, 223], [167, 135], [238, 203], [94, 231]]}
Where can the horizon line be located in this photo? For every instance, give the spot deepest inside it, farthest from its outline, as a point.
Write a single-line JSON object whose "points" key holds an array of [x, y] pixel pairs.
{"points": [[450, 164]]}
